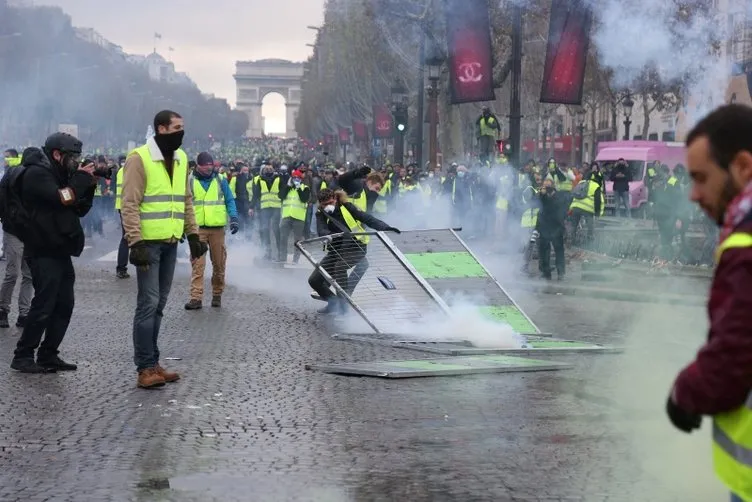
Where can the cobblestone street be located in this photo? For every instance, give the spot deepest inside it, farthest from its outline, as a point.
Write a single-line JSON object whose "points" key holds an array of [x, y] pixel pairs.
{"points": [[248, 422]]}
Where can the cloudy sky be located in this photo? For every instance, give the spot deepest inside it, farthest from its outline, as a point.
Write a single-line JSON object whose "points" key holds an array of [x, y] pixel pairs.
{"points": [[208, 37]]}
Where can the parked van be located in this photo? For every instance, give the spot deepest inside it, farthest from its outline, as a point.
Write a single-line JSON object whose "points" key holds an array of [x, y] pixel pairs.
{"points": [[639, 156]]}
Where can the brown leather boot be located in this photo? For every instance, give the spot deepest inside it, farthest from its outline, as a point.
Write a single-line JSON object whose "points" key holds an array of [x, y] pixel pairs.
{"points": [[168, 376], [149, 379], [217, 301]]}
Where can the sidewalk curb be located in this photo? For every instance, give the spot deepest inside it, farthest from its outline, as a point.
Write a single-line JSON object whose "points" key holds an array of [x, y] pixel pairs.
{"points": [[608, 294]]}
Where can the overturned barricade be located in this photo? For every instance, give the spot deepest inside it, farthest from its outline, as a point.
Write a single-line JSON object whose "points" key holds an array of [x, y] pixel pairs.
{"points": [[409, 290]]}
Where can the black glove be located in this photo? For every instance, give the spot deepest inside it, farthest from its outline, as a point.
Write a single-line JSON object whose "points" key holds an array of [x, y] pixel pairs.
{"points": [[395, 230], [681, 419], [139, 255], [364, 171], [198, 248], [234, 227]]}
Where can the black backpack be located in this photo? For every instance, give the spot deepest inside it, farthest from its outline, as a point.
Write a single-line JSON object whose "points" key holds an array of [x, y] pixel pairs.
{"points": [[17, 219]]}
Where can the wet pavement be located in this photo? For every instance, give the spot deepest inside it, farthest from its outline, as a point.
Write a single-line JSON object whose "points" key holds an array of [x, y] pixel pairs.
{"points": [[247, 422]]}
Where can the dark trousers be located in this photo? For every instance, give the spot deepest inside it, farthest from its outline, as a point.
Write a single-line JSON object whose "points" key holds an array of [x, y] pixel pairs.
{"points": [[122, 256], [51, 308], [667, 230], [342, 257], [269, 220], [544, 255]]}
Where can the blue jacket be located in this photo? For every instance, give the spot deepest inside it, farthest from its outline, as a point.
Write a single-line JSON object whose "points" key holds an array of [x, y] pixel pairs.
{"points": [[232, 210]]}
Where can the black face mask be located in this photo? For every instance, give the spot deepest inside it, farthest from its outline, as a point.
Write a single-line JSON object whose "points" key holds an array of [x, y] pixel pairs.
{"points": [[168, 143]]}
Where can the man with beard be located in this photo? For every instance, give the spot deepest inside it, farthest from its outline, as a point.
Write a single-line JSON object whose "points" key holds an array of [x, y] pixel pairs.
{"points": [[719, 382], [56, 193], [157, 210]]}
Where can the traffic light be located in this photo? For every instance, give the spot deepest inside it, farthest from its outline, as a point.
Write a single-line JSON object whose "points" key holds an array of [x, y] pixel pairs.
{"points": [[400, 119]]}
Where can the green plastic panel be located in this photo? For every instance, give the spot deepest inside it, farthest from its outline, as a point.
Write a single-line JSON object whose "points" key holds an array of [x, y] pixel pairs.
{"points": [[446, 265], [510, 315]]}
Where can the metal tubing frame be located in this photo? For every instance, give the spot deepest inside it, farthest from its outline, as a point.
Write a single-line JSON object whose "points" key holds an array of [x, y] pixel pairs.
{"points": [[329, 278], [494, 279]]}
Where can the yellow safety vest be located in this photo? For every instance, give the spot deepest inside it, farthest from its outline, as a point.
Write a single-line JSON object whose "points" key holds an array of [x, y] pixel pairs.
{"points": [[361, 202], [270, 197], [502, 203], [529, 218], [13, 161], [672, 181], [233, 186], [293, 207], [162, 209], [732, 431], [380, 206], [485, 126], [209, 205], [563, 186], [354, 225], [323, 185], [119, 188], [588, 203]]}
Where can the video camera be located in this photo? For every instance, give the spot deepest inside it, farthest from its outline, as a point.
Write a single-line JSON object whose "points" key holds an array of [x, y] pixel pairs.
{"points": [[100, 172]]}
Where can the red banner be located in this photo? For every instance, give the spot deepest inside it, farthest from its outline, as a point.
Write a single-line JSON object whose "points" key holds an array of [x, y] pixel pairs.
{"points": [[566, 54], [360, 130], [470, 52], [344, 136], [382, 122]]}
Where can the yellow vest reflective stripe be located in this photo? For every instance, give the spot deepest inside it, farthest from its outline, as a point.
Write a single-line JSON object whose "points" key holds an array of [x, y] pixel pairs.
{"points": [[119, 188], [732, 431], [380, 206], [529, 218], [209, 205], [588, 203], [354, 225], [270, 197], [485, 129], [293, 207], [233, 186], [163, 206], [361, 202]]}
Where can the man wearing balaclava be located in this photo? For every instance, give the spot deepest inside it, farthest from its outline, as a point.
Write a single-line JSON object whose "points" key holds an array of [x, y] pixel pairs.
{"points": [[157, 210], [61, 191], [718, 383]]}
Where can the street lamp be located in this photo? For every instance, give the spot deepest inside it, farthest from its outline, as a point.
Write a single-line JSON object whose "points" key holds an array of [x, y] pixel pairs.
{"points": [[400, 96], [434, 61], [581, 113], [627, 103]]}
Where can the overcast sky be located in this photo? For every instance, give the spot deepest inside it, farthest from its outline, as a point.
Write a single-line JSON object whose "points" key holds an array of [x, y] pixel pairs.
{"points": [[208, 37]]}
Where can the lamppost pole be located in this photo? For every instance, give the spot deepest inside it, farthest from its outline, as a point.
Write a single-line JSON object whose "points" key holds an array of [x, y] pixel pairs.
{"points": [[627, 103], [400, 96], [433, 63], [581, 114], [515, 113]]}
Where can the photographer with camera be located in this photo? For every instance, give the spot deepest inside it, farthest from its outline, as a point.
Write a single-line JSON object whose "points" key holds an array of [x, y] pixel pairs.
{"points": [[55, 191]]}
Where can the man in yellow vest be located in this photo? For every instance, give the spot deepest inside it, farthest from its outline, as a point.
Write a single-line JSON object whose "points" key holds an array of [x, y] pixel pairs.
{"points": [[295, 196], [488, 132], [157, 210], [121, 269], [11, 158], [340, 218], [719, 382], [267, 203], [214, 206], [588, 202]]}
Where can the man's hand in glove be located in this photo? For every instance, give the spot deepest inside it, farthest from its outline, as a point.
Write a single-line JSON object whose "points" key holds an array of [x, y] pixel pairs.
{"points": [[395, 230], [682, 420], [198, 248], [139, 255], [234, 227]]}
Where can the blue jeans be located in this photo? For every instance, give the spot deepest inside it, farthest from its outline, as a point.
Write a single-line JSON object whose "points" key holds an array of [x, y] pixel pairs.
{"points": [[622, 199], [154, 285]]}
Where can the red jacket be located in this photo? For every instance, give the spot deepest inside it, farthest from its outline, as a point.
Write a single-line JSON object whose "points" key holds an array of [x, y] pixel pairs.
{"points": [[720, 378]]}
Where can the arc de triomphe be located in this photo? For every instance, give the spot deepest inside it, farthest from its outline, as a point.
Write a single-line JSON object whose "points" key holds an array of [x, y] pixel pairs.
{"points": [[255, 79]]}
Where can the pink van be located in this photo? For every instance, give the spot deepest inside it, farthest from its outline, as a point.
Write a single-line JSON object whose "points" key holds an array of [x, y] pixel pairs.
{"points": [[639, 156]]}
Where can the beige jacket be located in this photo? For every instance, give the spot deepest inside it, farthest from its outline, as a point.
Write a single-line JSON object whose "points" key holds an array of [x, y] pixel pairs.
{"points": [[134, 185]]}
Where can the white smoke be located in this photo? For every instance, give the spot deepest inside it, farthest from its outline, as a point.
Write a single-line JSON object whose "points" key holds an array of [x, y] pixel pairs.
{"points": [[633, 35]]}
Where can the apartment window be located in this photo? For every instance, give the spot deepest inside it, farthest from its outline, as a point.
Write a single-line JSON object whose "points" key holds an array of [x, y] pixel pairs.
{"points": [[637, 136], [653, 136], [668, 136]]}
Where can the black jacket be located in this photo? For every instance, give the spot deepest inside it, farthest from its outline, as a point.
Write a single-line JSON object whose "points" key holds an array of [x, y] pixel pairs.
{"points": [[621, 184], [553, 212], [304, 193], [57, 227], [325, 223], [353, 184]]}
